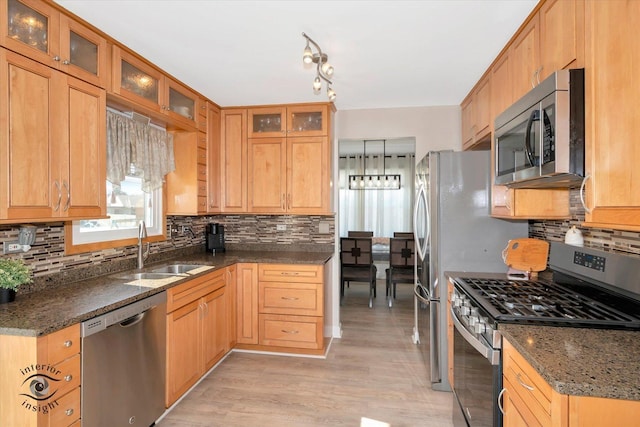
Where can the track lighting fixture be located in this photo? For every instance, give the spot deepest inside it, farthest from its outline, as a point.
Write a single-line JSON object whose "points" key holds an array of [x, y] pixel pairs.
{"points": [[324, 70]]}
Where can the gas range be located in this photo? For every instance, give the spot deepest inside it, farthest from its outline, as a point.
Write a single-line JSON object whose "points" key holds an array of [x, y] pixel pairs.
{"points": [[590, 288]]}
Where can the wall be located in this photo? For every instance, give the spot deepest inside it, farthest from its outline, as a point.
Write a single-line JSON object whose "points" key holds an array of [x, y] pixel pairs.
{"points": [[435, 128], [623, 242], [248, 232]]}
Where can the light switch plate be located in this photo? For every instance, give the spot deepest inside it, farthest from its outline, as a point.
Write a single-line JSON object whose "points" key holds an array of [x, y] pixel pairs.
{"points": [[323, 227], [281, 227]]}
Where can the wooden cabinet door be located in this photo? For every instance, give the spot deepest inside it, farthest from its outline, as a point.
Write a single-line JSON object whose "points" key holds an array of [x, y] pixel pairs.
{"points": [[482, 109], [561, 36], [30, 127], [307, 120], [233, 154], [267, 122], [214, 328], [308, 160], [179, 103], [136, 80], [87, 150], [213, 161], [187, 185], [525, 58], [501, 89], [612, 126], [466, 111], [83, 52], [267, 175], [232, 311], [184, 355], [247, 303]]}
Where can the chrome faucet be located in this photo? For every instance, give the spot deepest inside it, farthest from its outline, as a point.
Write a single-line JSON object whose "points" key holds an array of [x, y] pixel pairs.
{"points": [[142, 234]]}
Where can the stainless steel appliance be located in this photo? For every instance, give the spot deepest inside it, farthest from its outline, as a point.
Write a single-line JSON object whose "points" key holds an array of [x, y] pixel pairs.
{"points": [[453, 231], [589, 288], [540, 138], [215, 237], [123, 365]]}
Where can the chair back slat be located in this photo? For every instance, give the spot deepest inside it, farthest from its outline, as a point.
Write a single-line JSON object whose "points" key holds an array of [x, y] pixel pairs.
{"points": [[360, 234], [403, 234]]}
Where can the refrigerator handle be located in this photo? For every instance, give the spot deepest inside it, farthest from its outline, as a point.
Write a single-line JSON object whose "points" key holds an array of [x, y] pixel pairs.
{"points": [[421, 248]]}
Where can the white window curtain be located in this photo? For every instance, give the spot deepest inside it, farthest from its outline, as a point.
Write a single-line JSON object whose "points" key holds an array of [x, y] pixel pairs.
{"points": [[137, 149], [380, 211]]}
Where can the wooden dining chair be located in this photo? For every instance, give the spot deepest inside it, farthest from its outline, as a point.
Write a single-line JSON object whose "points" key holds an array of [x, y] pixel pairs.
{"points": [[356, 264], [401, 261], [360, 234]]}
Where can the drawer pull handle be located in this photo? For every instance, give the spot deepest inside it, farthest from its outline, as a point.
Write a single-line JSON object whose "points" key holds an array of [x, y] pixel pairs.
{"points": [[290, 273], [500, 400], [289, 298], [528, 387], [68, 343], [289, 332], [68, 378], [69, 412]]}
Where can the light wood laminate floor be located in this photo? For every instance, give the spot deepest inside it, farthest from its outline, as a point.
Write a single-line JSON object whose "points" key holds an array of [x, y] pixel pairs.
{"points": [[373, 371]]}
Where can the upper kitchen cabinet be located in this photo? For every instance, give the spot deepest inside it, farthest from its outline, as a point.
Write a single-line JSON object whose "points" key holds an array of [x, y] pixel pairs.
{"points": [[476, 116], [187, 184], [39, 31], [525, 58], [612, 195], [52, 144], [280, 121], [144, 85], [524, 203], [233, 160], [214, 169]]}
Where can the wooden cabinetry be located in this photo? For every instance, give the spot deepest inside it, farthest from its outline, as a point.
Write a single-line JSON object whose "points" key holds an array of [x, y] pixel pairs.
{"points": [[525, 58], [187, 184], [596, 411], [289, 175], [233, 158], [232, 311], [214, 166], [524, 203], [144, 85], [54, 158], [476, 116], [196, 331], [528, 397], [39, 31], [50, 399], [612, 92], [291, 120], [247, 303]]}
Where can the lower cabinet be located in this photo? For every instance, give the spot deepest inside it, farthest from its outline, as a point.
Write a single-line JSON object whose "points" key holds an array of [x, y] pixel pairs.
{"points": [[40, 379], [196, 331], [528, 400], [280, 307]]}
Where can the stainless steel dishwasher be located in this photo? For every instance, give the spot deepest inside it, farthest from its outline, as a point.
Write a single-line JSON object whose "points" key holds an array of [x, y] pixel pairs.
{"points": [[123, 365]]}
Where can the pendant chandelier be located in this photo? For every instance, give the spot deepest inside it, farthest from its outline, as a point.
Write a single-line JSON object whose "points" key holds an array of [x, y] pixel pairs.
{"points": [[382, 181]]}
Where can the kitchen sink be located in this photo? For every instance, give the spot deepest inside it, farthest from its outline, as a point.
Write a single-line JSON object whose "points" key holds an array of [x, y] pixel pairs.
{"points": [[147, 276], [177, 268]]}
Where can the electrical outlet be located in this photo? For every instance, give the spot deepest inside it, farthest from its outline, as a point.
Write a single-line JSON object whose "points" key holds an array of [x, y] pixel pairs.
{"points": [[11, 247], [323, 227], [281, 227]]}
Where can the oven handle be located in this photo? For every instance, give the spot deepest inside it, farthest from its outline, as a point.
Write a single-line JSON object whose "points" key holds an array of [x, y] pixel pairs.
{"points": [[488, 353]]}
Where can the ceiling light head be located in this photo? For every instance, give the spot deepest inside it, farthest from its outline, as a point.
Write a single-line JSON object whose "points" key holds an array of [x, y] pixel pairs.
{"points": [[331, 94], [327, 69], [307, 55]]}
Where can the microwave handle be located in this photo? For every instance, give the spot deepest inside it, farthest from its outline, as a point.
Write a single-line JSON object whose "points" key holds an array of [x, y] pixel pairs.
{"points": [[534, 116]]}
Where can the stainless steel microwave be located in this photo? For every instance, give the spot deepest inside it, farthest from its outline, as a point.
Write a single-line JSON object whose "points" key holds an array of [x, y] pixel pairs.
{"points": [[539, 140]]}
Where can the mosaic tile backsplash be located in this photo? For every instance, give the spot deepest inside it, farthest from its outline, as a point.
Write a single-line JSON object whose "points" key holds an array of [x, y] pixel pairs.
{"points": [[247, 232], [623, 242]]}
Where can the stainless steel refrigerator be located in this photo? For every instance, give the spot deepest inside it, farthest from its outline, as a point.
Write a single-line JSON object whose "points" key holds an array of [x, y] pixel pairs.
{"points": [[454, 232]]}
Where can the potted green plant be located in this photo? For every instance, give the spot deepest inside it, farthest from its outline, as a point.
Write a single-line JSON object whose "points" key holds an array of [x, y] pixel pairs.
{"points": [[13, 273]]}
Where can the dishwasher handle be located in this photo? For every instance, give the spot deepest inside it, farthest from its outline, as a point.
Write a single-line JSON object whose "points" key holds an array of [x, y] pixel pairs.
{"points": [[132, 320]]}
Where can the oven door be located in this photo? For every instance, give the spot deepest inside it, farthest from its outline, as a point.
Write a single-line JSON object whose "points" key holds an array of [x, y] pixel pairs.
{"points": [[477, 379]]}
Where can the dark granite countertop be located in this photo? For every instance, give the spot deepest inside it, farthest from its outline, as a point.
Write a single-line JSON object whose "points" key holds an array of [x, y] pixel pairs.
{"points": [[576, 361], [63, 304]]}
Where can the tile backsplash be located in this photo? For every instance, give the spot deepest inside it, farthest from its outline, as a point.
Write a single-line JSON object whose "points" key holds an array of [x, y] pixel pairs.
{"points": [[259, 232], [624, 242]]}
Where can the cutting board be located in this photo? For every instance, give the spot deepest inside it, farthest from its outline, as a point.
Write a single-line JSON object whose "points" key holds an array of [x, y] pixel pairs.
{"points": [[526, 254]]}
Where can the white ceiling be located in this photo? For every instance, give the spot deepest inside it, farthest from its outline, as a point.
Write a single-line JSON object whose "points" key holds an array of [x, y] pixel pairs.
{"points": [[386, 54]]}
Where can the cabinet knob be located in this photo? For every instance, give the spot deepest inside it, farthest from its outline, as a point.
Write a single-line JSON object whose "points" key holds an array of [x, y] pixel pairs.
{"points": [[56, 58], [66, 62], [68, 378], [68, 343], [69, 412]]}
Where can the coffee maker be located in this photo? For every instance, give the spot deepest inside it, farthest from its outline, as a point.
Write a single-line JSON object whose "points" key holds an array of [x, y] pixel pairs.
{"points": [[215, 237]]}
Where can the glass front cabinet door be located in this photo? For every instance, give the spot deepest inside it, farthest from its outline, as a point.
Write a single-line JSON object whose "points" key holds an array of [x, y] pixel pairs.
{"points": [[294, 120], [40, 32], [267, 122]]}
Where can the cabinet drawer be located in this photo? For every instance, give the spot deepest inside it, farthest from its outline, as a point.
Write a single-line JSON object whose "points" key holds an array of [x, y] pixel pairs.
{"points": [[527, 384], [68, 410], [290, 298], [290, 331], [69, 374], [187, 292], [60, 345], [299, 273]]}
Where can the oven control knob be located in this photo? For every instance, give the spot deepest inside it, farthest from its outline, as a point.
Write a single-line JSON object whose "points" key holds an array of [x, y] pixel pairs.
{"points": [[480, 327], [473, 320], [464, 310], [457, 300]]}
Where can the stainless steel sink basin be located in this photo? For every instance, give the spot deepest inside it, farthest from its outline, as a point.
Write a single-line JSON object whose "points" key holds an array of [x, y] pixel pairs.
{"points": [[147, 276], [176, 268]]}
